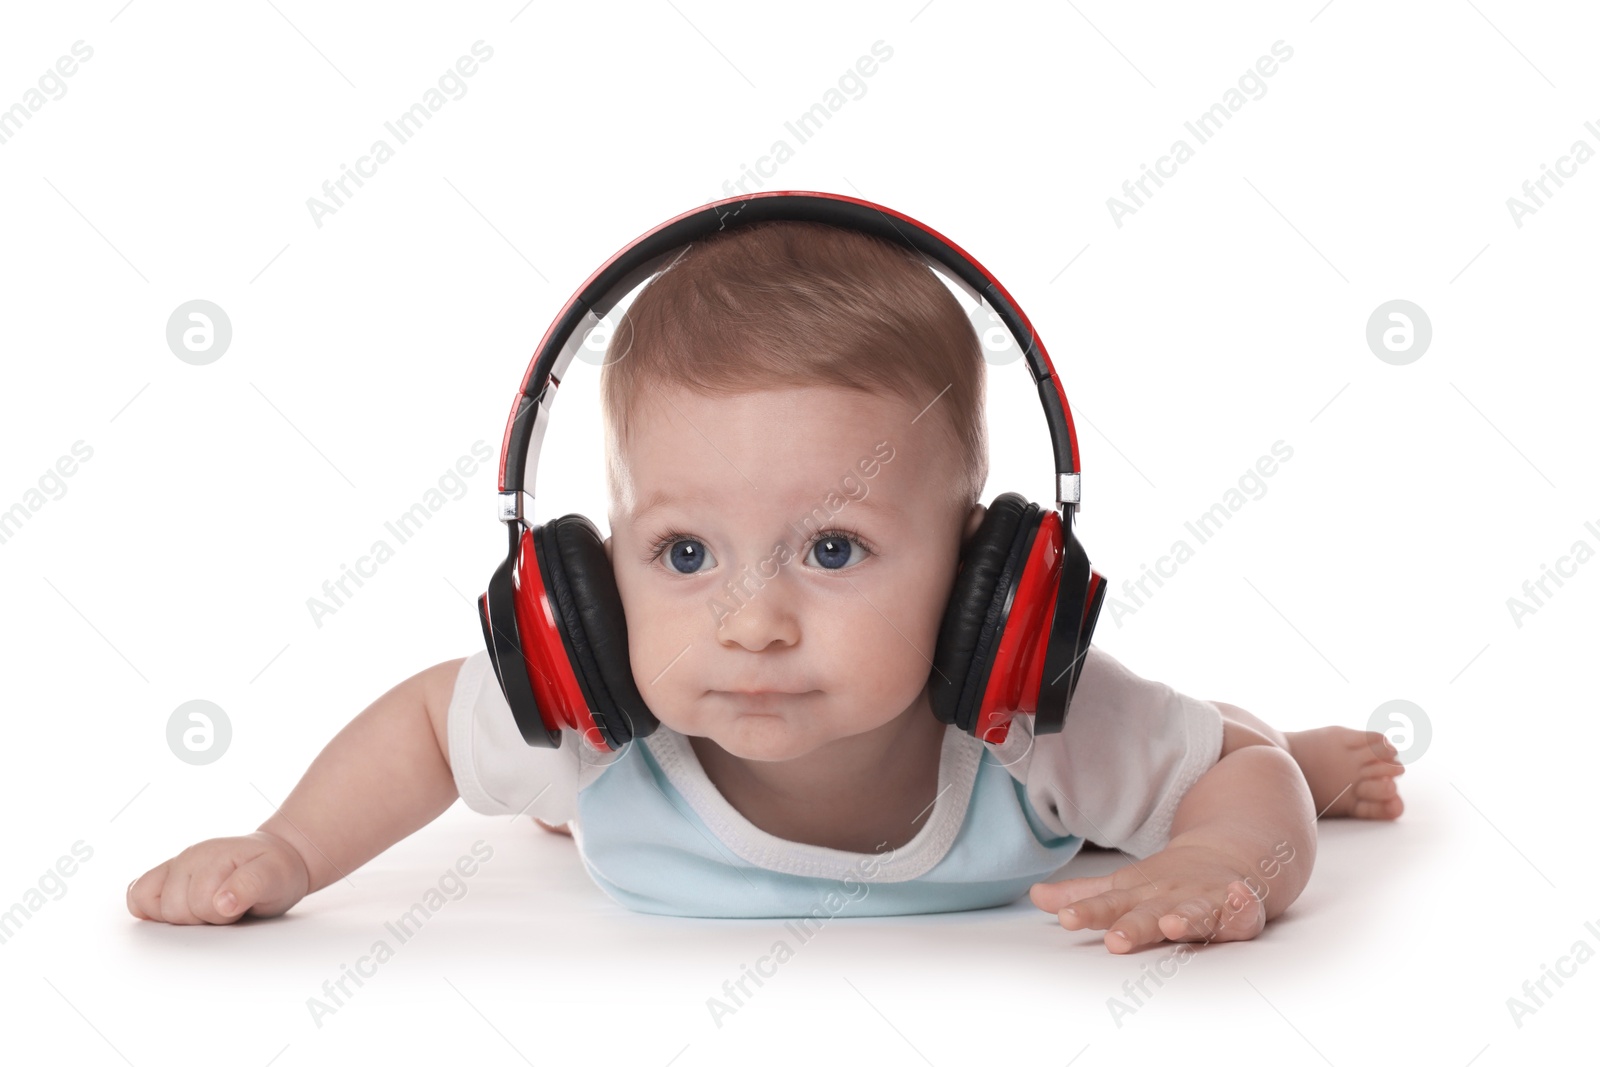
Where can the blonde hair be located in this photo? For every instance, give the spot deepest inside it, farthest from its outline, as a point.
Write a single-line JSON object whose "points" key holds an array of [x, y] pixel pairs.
{"points": [[777, 304]]}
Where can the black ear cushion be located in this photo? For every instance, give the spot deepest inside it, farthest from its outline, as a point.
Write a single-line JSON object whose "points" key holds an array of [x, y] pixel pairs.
{"points": [[572, 559], [978, 605]]}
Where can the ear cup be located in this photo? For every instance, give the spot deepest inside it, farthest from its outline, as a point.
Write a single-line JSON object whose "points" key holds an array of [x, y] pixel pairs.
{"points": [[508, 652], [1078, 584], [976, 613], [572, 560]]}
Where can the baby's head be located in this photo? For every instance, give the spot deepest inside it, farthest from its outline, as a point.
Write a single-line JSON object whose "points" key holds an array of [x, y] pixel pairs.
{"points": [[795, 447]]}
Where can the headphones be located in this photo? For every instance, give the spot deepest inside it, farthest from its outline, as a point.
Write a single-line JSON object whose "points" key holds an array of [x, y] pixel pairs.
{"points": [[1021, 612]]}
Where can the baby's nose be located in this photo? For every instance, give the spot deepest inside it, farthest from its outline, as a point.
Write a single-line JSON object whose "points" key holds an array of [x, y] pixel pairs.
{"points": [[756, 619]]}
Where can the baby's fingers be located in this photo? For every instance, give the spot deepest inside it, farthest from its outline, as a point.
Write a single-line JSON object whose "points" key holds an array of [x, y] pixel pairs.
{"points": [[1053, 896], [144, 894], [174, 903], [1234, 915], [1100, 910], [1139, 926], [261, 883], [205, 897], [1241, 915]]}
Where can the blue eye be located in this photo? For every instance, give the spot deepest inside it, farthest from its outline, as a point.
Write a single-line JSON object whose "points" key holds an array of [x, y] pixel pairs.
{"points": [[832, 550], [686, 554]]}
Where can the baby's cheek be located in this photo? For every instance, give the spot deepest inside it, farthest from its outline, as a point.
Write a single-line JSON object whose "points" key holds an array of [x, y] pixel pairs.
{"points": [[664, 669], [883, 665]]}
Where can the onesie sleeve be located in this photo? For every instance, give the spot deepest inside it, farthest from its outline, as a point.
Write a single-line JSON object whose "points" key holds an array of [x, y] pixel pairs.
{"points": [[1128, 751], [496, 771]]}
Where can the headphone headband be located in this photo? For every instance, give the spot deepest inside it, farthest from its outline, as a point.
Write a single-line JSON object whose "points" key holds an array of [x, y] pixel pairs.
{"points": [[644, 256]]}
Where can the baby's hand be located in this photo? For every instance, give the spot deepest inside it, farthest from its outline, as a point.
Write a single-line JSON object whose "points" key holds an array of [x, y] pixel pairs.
{"points": [[219, 880], [1183, 893]]}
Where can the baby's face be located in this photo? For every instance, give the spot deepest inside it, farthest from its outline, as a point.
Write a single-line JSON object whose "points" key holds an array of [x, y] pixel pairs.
{"points": [[803, 541]]}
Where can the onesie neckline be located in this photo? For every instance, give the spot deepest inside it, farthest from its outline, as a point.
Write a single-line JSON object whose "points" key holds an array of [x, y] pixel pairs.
{"points": [[958, 766]]}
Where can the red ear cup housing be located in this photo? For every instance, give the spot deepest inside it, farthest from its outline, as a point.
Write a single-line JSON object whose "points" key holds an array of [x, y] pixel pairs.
{"points": [[1012, 625], [555, 625]]}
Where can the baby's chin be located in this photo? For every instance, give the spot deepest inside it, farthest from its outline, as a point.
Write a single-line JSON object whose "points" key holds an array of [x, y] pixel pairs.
{"points": [[766, 738]]}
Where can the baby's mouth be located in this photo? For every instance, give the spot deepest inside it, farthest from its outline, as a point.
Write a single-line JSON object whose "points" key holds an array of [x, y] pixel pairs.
{"points": [[768, 699]]}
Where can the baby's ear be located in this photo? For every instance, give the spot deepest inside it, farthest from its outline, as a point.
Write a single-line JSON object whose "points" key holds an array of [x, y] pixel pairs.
{"points": [[974, 520]]}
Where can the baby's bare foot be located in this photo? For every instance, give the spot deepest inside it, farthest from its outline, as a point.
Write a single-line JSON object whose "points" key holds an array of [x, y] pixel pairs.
{"points": [[1351, 772]]}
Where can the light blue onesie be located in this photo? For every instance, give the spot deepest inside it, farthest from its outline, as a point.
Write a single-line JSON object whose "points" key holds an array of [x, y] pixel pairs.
{"points": [[656, 835]]}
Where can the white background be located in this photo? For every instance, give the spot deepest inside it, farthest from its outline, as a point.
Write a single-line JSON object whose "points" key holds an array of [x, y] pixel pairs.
{"points": [[371, 352]]}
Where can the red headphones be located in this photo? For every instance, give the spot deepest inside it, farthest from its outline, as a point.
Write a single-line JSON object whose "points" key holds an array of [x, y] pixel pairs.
{"points": [[1024, 603]]}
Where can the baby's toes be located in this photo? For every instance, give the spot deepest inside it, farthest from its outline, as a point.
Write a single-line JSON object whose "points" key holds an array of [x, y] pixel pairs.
{"points": [[1380, 745], [1379, 809], [1376, 788], [1378, 798]]}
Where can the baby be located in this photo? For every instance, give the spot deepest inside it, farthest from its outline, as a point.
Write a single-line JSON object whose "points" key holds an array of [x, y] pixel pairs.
{"points": [[796, 447]]}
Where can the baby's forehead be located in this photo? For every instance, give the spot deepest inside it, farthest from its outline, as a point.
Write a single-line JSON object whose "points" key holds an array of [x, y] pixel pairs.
{"points": [[780, 421], [785, 449]]}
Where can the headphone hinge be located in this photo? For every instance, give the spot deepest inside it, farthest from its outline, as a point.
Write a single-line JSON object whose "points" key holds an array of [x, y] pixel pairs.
{"points": [[517, 507], [1069, 491]]}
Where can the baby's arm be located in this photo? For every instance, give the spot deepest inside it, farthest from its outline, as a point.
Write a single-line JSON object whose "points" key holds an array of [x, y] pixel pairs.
{"points": [[381, 778], [1242, 846]]}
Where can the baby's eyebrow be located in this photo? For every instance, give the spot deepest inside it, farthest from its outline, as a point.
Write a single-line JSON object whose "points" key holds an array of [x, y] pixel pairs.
{"points": [[660, 498]]}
